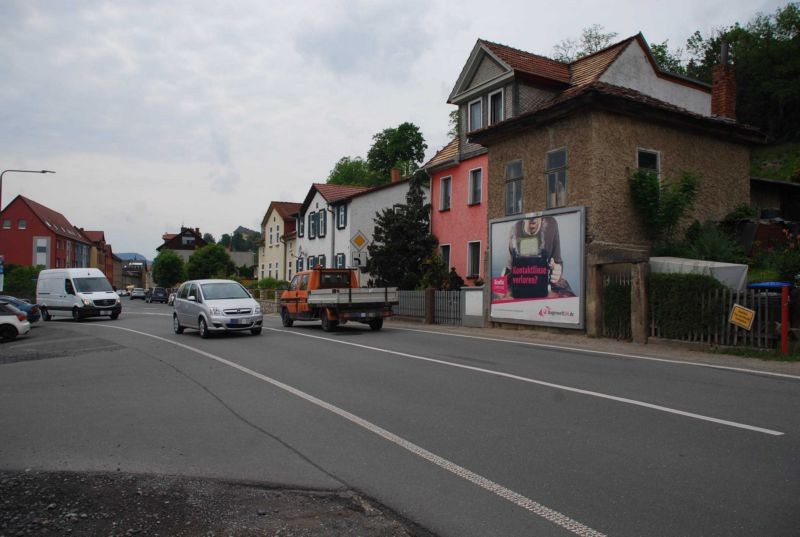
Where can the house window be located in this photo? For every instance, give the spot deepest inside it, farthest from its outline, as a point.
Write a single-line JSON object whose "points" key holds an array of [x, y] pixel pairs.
{"points": [[312, 225], [321, 261], [270, 235], [475, 115], [311, 262], [445, 189], [299, 264], [475, 181], [22, 224], [301, 224], [496, 107], [341, 216], [514, 187], [322, 223], [648, 160], [7, 223], [445, 251], [340, 261], [557, 178], [473, 259]]}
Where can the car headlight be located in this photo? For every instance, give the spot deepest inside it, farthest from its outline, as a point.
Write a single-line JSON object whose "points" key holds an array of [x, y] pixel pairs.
{"points": [[116, 301], [215, 310], [257, 309], [87, 302]]}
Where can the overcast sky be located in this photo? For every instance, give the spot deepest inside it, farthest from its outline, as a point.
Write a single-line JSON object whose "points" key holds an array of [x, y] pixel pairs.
{"points": [[157, 114]]}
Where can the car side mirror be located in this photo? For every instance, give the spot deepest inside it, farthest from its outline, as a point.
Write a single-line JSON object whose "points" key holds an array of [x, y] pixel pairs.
{"points": [[192, 298]]}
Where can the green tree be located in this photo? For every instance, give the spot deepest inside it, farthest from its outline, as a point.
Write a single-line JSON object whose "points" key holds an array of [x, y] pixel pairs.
{"points": [[402, 147], [225, 240], [238, 243], [168, 269], [592, 39], [662, 204], [453, 121], [666, 59], [402, 241], [21, 281], [209, 238], [353, 171], [210, 261]]}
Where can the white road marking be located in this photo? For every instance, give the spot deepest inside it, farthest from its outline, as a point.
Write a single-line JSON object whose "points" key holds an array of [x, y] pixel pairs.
{"points": [[536, 508], [605, 353], [143, 313], [544, 383]]}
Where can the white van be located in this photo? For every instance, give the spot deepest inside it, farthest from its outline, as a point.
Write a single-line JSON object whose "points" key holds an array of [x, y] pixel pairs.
{"points": [[79, 292]]}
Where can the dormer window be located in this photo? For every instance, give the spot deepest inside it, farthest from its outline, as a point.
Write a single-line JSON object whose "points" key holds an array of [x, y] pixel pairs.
{"points": [[496, 107], [475, 115]]}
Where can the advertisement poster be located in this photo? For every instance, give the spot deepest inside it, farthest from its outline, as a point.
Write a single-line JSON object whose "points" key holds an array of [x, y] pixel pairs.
{"points": [[537, 268]]}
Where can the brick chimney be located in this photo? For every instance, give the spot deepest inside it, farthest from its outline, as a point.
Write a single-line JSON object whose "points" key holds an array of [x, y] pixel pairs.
{"points": [[395, 175], [723, 87]]}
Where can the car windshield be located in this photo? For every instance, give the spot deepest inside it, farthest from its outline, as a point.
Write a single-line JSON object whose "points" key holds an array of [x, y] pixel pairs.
{"points": [[92, 285], [223, 290]]}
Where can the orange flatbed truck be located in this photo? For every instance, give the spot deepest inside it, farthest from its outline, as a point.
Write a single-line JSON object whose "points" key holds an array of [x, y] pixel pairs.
{"points": [[334, 297]]}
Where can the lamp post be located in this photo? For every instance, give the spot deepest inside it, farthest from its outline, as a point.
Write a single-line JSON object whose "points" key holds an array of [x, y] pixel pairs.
{"points": [[18, 171]]}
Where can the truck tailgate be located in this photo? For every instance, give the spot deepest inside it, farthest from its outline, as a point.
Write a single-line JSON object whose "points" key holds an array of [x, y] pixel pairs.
{"points": [[361, 295]]}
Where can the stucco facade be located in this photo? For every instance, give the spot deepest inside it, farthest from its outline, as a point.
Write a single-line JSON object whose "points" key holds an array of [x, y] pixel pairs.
{"points": [[275, 258]]}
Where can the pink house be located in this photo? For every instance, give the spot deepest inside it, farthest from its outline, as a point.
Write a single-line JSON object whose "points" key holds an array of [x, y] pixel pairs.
{"points": [[459, 209]]}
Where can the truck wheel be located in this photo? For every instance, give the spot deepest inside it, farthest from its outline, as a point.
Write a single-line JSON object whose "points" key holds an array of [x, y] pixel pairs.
{"points": [[286, 319], [376, 324], [76, 315], [46, 315], [327, 324], [114, 316], [255, 331]]}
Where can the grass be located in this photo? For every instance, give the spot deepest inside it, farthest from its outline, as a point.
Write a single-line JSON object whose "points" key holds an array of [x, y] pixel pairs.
{"points": [[767, 355], [780, 162]]}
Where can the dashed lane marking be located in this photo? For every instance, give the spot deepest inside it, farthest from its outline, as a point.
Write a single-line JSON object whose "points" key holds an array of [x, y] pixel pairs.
{"points": [[529, 505]]}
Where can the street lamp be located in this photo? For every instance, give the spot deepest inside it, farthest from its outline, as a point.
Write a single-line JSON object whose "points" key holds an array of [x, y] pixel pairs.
{"points": [[18, 171]]}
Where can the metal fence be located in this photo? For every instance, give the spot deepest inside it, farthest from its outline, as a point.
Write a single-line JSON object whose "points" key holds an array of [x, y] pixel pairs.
{"points": [[714, 328], [411, 304], [447, 307]]}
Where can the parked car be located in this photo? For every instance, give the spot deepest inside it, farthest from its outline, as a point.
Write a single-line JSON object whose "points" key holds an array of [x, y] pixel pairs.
{"points": [[32, 311], [156, 294], [79, 292], [138, 292], [13, 322], [216, 306], [122, 292]]}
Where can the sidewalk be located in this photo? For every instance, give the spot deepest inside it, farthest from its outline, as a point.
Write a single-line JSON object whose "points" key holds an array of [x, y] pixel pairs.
{"points": [[656, 348]]}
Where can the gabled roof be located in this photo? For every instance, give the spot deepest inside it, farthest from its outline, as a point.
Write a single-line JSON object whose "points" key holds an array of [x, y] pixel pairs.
{"points": [[53, 220], [525, 62], [448, 155], [285, 209], [590, 68], [94, 236], [331, 193]]}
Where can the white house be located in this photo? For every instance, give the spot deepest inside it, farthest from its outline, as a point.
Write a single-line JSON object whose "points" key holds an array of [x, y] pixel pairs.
{"points": [[276, 255], [336, 223]]}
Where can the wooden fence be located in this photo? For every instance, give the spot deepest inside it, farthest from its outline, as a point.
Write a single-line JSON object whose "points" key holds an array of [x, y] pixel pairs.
{"points": [[712, 326]]}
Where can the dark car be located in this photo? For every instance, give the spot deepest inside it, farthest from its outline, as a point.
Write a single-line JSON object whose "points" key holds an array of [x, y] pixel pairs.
{"points": [[156, 294], [32, 311]]}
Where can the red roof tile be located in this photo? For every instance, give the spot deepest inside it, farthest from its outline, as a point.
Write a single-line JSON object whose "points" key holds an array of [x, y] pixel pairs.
{"points": [[532, 64], [590, 68], [333, 193], [55, 221], [94, 236], [446, 154]]}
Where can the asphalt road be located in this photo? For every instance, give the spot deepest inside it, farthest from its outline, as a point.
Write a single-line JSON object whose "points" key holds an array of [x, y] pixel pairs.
{"points": [[464, 436]]}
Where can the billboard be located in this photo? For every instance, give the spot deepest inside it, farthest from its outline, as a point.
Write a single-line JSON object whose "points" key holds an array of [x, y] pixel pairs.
{"points": [[537, 268]]}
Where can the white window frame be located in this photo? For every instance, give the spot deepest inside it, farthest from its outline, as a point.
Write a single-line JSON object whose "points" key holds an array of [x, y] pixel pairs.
{"points": [[502, 107], [449, 180], [469, 115], [340, 260], [471, 201], [341, 216], [658, 160], [22, 224], [449, 254], [548, 171], [470, 273]]}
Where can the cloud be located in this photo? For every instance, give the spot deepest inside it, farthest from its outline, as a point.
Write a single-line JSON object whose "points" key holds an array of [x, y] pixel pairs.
{"points": [[224, 177]]}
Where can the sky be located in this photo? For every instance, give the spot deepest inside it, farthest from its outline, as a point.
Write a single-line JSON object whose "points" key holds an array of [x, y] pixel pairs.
{"points": [[158, 114]]}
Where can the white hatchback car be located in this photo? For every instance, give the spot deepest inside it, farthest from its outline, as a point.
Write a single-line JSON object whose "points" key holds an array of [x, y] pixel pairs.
{"points": [[215, 306], [13, 322]]}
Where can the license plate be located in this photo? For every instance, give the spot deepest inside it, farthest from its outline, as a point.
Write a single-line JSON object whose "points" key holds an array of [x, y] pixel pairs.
{"points": [[242, 321], [105, 312]]}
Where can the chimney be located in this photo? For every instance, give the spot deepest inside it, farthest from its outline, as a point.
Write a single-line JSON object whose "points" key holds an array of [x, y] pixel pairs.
{"points": [[723, 87], [197, 230], [395, 175]]}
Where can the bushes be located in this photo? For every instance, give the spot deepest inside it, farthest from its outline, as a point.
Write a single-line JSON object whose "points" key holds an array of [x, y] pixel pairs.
{"points": [[20, 281], [679, 303]]}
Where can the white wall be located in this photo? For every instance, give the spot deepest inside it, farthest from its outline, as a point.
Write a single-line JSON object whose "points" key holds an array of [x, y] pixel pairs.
{"points": [[272, 253], [633, 70]]}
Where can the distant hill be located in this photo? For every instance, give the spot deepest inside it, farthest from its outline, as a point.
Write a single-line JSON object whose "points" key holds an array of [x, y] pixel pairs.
{"points": [[128, 256]]}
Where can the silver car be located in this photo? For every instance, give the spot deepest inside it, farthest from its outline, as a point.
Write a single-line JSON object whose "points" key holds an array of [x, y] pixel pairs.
{"points": [[215, 306]]}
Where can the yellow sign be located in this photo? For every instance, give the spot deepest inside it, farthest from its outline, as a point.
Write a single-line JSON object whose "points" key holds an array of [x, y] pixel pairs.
{"points": [[359, 241], [741, 316]]}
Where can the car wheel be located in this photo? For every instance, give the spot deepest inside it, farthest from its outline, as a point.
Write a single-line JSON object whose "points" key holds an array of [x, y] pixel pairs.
{"points": [[203, 327], [255, 331], [286, 319], [376, 324], [76, 315], [46, 314], [7, 332], [176, 325]]}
